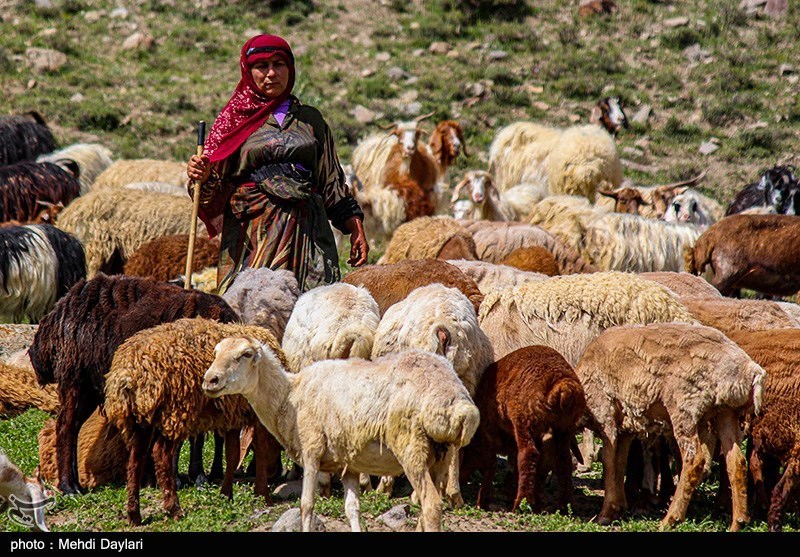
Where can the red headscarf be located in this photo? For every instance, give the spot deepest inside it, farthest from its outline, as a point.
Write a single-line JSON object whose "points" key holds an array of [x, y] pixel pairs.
{"points": [[245, 112]]}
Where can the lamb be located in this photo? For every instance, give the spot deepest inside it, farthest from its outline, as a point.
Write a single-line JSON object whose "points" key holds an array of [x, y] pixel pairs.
{"points": [[534, 259], [609, 114], [776, 190], [333, 415], [759, 252], [575, 161], [389, 284], [335, 321], [493, 276], [164, 258], [92, 159], [441, 320], [153, 396], [24, 185], [684, 379], [25, 495], [494, 241], [437, 237], [730, 315], [23, 137], [76, 340], [568, 311], [101, 453], [19, 392], [38, 264], [127, 171], [774, 439], [112, 223], [264, 297], [524, 397], [484, 201]]}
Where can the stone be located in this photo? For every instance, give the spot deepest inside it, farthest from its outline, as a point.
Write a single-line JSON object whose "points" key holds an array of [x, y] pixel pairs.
{"points": [[543, 106], [43, 4], [417, 52], [290, 521], [396, 73], [363, 114], [696, 54], [409, 96], [289, 490], [76, 98], [383, 57], [574, 118], [411, 109], [93, 16], [414, 25], [368, 72], [138, 41], [439, 47], [707, 148], [497, 55], [776, 8], [45, 59], [119, 13], [673, 22], [642, 115], [49, 32], [475, 89], [396, 518], [785, 69], [31, 83]]}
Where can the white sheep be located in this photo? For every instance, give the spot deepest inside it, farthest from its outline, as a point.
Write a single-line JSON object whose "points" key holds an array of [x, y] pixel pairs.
{"points": [[381, 417], [688, 207], [686, 380], [482, 197], [158, 187], [25, 495], [576, 160], [494, 276]]}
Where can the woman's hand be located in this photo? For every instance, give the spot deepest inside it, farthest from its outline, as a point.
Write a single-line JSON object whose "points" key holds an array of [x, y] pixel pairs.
{"points": [[359, 248], [199, 168]]}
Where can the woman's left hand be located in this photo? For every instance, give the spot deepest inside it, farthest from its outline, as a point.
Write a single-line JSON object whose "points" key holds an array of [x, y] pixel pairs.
{"points": [[359, 248]]}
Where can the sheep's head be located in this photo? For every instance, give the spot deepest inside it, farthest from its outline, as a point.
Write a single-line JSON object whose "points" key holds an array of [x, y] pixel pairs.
{"points": [[608, 112], [233, 369], [480, 186], [409, 133], [684, 208], [448, 141], [662, 196], [780, 189], [627, 200], [27, 509]]}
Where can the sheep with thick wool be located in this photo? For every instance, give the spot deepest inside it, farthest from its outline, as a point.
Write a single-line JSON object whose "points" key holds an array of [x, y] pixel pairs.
{"points": [[19, 392], [112, 223], [441, 320], [686, 380], [92, 159], [164, 258], [334, 321], [774, 439], [153, 395], [23, 137], [437, 237], [334, 416], [264, 297], [26, 186], [102, 455], [493, 276], [494, 241], [126, 171], [728, 315], [534, 259], [683, 284], [389, 284], [576, 160]]}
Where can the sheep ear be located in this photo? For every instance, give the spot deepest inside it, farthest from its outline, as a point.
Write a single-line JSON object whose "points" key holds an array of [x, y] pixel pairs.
{"points": [[596, 115], [608, 193]]}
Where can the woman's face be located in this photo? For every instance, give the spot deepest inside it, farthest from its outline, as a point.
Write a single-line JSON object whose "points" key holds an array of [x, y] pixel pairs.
{"points": [[271, 76]]}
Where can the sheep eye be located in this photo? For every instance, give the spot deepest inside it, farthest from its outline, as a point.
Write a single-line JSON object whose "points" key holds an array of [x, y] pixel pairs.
{"points": [[246, 354]]}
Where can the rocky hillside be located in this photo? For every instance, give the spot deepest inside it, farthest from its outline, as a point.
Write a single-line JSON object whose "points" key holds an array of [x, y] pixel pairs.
{"points": [[711, 86]]}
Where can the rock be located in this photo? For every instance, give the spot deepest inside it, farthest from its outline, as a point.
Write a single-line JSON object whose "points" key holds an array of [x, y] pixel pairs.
{"points": [[31, 83], [475, 89], [396, 518], [289, 490], [414, 25], [290, 521], [119, 13], [642, 115], [574, 118], [49, 32], [93, 16], [383, 57], [45, 59], [43, 4], [696, 54], [412, 80], [411, 109], [367, 72], [409, 96], [417, 52], [707, 148], [453, 54], [785, 69], [776, 8], [439, 47], [138, 41], [673, 22], [497, 55], [543, 106], [751, 4], [396, 73], [76, 98], [363, 114]]}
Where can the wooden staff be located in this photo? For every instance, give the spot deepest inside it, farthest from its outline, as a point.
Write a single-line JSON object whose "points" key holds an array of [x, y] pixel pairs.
{"points": [[201, 139]]}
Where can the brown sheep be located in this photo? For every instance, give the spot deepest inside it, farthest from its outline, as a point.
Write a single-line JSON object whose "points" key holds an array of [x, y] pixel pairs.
{"points": [[536, 259], [164, 258], [730, 315], [439, 237], [101, 453], [389, 284], [19, 392], [524, 397], [683, 284], [757, 252]]}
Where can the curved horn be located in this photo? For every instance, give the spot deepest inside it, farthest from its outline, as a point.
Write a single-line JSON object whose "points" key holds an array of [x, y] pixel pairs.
{"points": [[460, 135], [388, 126], [457, 189], [424, 116]]}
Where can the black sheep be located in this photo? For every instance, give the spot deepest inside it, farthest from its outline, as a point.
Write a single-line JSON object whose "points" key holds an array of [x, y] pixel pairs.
{"points": [[23, 137], [777, 189], [24, 184]]}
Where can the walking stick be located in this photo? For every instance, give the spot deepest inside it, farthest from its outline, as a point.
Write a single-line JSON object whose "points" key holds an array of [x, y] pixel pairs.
{"points": [[201, 139]]}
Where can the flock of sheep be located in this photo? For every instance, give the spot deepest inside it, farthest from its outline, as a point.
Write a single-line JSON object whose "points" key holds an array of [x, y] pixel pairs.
{"points": [[538, 301]]}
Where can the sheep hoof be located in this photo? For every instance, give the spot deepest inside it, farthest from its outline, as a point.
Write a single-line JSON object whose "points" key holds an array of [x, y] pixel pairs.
{"points": [[70, 489], [456, 500], [176, 514], [604, 520], [134, 518]]}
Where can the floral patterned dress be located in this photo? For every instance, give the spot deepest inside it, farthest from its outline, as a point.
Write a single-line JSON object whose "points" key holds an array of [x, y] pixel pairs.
{"points": [[282, 187]]}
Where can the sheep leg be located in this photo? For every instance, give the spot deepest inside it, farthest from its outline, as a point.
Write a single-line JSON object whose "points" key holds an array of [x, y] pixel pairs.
{"points": [[137, 449], [365, 483], [667, 485], [74, 411], [634, 473], [352, 506], [453, 489], [419, 476], [324, 486], [783, 490], [761, 499], [310, 474], [615, 456], [694, 464], [215, 473], [231, 461], [528, 460], [163, 456], [730, 435], [267, 458], [563, 468], [487, 482], [588, 452], [196, 472]]}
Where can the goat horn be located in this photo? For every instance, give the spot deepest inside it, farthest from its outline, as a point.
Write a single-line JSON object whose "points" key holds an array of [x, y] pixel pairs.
{"points": [[424, 116], [688, 182], [457, 190], [388, 126]]}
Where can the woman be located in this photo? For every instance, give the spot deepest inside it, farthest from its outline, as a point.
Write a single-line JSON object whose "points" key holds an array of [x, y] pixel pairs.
{"points": [[271, 179]]}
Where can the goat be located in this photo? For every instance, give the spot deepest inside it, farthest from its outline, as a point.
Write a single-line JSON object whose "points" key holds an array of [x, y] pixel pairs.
{"points": [[485, 201], [608, 112], [25, 494], [777, 189]]}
